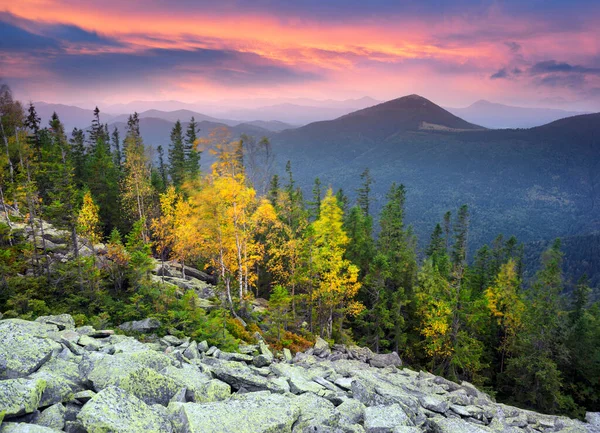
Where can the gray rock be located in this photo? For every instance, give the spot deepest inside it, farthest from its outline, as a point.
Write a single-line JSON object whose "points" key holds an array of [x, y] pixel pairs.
{"points": [[257, 412], [20, 396], [434, 404], [261, 361], [321, 348], [171, 340], [62, 321], [53, 417], [287, 355], [239, 376], [363, 354], [315, 413], [192, 351], [10, 427], [454, 425], [62, 378], [113, 410], [383, 419], [25, 347], [239, 357], [202, 346], [144, 326], [84, 396], [299, 378], [593, 418], [351, 411], [382, 360]]}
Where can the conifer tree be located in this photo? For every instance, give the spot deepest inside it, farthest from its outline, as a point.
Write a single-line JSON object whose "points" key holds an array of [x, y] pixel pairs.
{"points": [[364, 192], [177, 156], [192, 155], [116, 144], [316, 202], [78, 155]]}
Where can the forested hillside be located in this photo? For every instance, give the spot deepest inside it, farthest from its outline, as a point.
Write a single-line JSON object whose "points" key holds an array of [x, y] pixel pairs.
{"points": [[291, 265], [538, 183]]}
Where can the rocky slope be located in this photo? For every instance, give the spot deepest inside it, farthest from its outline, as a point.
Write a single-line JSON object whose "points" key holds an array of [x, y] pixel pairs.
{"points": [[55, 377]]}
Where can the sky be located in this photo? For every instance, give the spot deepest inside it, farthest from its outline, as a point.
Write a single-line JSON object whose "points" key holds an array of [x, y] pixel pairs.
{"points": [[530, 53]]}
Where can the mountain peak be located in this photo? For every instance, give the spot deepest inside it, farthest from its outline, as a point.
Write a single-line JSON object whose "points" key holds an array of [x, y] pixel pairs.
{"points": [[411, 112]]}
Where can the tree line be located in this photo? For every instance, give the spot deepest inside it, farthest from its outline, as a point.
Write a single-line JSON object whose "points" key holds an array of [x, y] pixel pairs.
{"points": [[327, 266]]}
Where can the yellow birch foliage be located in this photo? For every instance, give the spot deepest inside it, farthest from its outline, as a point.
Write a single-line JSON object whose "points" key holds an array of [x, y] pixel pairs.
{"points": [[88, 221], [337, 278], [434, 311], [505, 304]]}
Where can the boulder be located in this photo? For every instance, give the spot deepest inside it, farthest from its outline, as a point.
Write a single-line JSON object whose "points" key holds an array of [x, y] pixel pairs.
{"points": [[384, 419], [52, 417], [202, 346], [200, 387], [114, 410], [362, 354], [11, 427], [62, 378], [287, 355], [20, 396], [593, 418], [315, 412], [454, 425], [351, 411], [434, 404], [143, 326], [321, 348], [257, 412], [382, 360], [25, 347], [240, 376], [299, 378], [62, 321], [136, 373]]}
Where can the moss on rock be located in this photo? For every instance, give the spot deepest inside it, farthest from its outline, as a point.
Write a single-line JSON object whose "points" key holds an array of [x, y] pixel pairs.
{"points": [[114, 410], [20, 396]]}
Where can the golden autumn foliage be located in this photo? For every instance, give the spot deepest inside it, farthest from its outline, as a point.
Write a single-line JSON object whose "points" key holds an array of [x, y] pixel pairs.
{"points": [[88, 221], [337, 278], [434, 311], [505, 303]]}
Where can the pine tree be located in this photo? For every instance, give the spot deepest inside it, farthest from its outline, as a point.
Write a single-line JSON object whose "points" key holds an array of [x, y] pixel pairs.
{"points": [[177, 156], [116, 143], [364, 198], [273, 193], [192, 155], [316, 203], [96, 131], [78, 155], [461, 232], [32, 122], [532, 376]]}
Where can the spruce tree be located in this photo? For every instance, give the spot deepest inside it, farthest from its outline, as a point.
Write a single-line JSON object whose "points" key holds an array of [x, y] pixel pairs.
{"points": [[116, 144], [192, 155], [177, 156], [364, 198]]}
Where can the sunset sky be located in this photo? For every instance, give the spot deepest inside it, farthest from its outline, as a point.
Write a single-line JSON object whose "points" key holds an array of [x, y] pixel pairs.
{"points": [[534, 52]]}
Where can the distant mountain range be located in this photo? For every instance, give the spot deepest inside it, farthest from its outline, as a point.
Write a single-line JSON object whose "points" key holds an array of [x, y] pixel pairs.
{"points": [[493, 115], [277, 116]]}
